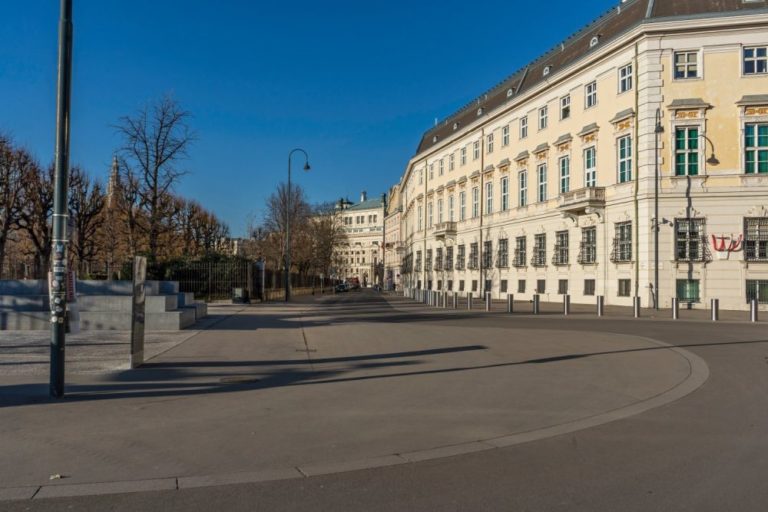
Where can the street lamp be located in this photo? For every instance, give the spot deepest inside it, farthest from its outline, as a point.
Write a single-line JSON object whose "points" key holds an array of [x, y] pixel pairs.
{"points": [[657, 131], [57, 292], [712, 160], [288, 223]]}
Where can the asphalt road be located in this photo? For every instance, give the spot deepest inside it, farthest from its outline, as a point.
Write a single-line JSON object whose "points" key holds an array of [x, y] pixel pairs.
{"points": [[706, 451]]}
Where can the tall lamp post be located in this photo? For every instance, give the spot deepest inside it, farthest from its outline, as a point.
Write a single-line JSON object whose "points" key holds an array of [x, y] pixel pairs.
{"points": [[288, 223], [658, 130], [58, 283]]}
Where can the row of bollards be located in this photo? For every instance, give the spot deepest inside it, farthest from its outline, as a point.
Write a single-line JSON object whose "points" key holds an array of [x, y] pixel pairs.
{"points": [[442, 299]]}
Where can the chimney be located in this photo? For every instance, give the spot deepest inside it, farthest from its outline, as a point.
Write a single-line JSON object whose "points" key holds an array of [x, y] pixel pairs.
{"points": [[363, 196]]}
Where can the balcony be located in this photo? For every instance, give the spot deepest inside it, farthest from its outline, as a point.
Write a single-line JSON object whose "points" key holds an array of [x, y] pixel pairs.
{"points": [[582, 201], [445, 230]]}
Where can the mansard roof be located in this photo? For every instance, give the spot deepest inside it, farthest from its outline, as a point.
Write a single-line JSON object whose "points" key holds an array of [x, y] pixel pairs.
{"points": [[611, 25]]}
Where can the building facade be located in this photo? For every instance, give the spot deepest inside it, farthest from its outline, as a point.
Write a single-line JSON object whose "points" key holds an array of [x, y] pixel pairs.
{"points": [[361, 254], [393, 246], [546, 184]]}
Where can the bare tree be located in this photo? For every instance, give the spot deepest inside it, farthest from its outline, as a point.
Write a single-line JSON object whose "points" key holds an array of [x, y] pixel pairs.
{"points": [[156, 138], [327, 234], [86, 202], [11, 170], [282, 207], [36, 211]]}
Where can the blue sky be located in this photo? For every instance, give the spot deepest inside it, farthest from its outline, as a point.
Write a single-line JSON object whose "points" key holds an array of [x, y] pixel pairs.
{"points": [[354, 83]]}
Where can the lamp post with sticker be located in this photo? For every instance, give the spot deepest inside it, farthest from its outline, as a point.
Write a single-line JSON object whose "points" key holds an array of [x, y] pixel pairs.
{"points": [[57, 282]]}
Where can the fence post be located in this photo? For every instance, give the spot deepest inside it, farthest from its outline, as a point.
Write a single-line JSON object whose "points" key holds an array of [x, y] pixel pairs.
{"points": [[210, 279], [455, 300], [675, 308], [536, 304], [753, 311], [510, 303], [487, 301], [600, 305], [469, 300], [566, 305], [715, 310], [636, 306]]}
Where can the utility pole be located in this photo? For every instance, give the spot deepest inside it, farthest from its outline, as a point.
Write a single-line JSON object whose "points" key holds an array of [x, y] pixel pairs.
{"points": [[58, 281]]}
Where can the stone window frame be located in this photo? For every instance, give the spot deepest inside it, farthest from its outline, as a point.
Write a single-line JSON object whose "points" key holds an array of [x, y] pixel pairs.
{"points": [[626, 78], [699, 64]]}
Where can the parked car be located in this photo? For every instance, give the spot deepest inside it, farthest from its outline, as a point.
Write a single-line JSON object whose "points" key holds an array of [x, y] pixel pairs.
{"points": [[342, 287]]}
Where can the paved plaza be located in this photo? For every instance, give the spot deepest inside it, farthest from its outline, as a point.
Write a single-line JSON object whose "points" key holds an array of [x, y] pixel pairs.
{"points": [[397, 406]]}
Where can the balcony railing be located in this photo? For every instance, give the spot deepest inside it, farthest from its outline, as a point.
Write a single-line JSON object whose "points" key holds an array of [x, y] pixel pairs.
{"points": [[445, 229], [578, 201]]}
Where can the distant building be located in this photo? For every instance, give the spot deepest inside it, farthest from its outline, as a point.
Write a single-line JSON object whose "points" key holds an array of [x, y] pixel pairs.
{"points": [[361, 255], [394, 249]]}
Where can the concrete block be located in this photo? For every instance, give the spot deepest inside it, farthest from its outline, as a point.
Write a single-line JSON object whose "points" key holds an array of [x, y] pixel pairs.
{"points": [[24, 320], [24, 287]]}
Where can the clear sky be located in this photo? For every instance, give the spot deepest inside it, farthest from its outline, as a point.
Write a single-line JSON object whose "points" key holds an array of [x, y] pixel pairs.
{"points": [[355, 83]]}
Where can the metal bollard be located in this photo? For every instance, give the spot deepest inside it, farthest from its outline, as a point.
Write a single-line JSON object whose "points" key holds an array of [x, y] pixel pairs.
{"points": [[445, 300], [455, 300], [715, 309], [536, 304], [469, 300], [487, 301], [753, 311], [510, 303], [600, 305], [566, 305], [636, 306], [675, 309]]}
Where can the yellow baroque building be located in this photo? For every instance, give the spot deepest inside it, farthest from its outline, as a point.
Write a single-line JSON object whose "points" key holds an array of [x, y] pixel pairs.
{"points": [[547, 183]]}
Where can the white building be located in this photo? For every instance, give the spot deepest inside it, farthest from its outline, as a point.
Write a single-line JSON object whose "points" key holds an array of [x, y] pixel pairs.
{"points": [[361, 255]]}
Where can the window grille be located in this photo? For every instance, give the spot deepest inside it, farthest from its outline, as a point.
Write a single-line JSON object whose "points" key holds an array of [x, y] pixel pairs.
{"points": [[539, 258], [622, 243], [560, 257], [756, 239]]}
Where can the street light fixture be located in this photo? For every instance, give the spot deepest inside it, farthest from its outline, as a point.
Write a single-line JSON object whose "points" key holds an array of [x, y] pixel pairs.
{"points": [[288, 222], [658, 130]]}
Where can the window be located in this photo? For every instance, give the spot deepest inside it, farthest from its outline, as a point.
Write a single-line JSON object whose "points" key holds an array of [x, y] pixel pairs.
{"points": [[625, 159], [462, 205], [686, 151], [541, 286], [688, 290], [429, 215], [686, 65], [451, 162], [562, 287], [451, 202], [505, 136], [502, 260], [489, 141], [690, 240], [449, 261], [756, 148], [505, 193], [542, 175], [463, 156], [428, 262], [474, 285], [589, 287], [561, 248], [503, 287], [489, 198], [523, 188], [431, 171], [543, 117], [473, 256], [439, 211], [440, 167], [590, 167], [418, 262], [588, 249], [539, 250], [461, 256], [565, 174], [487, 254], [521, 286], [757, 290], [590, 95], [439, 262], [756, 239], [625, 287], [421, 176], [475, 150], [475, 202], [524, 127], [622, 243], [421, 218], [461, 286], [756, 60], [565, 107], [520, 249], [625, 78]]}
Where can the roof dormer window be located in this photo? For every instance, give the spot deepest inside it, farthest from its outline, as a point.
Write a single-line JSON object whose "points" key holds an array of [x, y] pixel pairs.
{"points": [[547, 70], [480, 111], [594, 41]]}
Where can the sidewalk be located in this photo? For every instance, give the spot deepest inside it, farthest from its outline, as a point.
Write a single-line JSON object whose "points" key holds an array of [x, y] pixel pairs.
{"points": [[289, 391]]}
